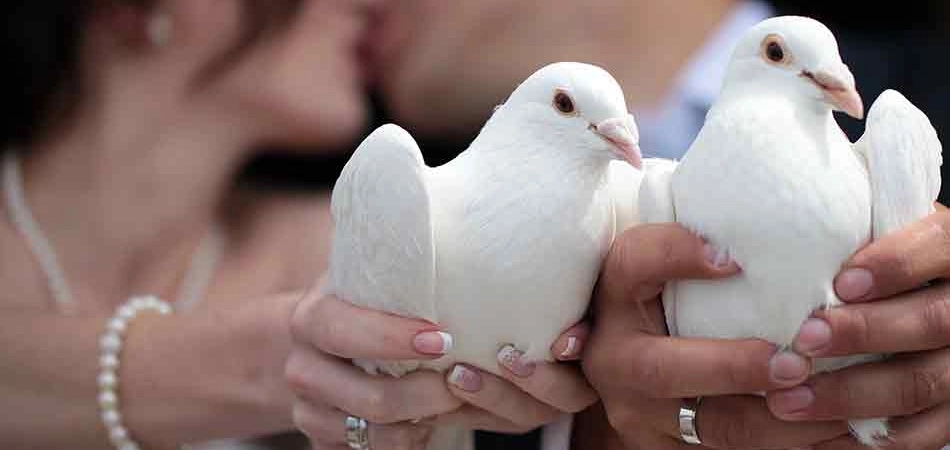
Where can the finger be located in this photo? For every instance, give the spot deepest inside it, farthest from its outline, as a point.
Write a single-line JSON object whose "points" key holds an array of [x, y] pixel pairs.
{"points": [[321, 446], [339, 328], [317, 445], [672, 367], [911, 322], [678, 444], [646, 256], [929, 430], [744, 422], [328, 428], [379, 399], [736, 422], [562, 386], [570, 345], [474, 418], [656, 442], [900, 386], [499, 397], [900, 261]]}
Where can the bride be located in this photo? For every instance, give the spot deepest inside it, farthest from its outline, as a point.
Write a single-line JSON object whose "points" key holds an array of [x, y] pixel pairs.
{"points": [[147, 297]]}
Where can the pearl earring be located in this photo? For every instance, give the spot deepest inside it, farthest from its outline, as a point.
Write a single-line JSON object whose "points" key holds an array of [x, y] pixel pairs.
{"points": [[159, 28]]}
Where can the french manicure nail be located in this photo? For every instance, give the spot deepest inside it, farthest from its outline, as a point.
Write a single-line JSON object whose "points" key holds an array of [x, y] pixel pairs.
{"points": [[572, 349], [854, 284], [793, 400], [433, 342], [510, 357], [465, 379], [813, 337], [786, 367], [718, 258]]}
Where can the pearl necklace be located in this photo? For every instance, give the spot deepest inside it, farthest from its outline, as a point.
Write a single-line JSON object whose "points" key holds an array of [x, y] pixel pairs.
{"points": [[197, 278]]}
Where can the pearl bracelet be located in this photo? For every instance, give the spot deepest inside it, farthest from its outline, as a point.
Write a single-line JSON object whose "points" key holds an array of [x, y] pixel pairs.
{"points": [[110, 346]]}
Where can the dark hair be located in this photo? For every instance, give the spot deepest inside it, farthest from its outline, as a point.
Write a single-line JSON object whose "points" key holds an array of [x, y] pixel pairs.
{"points": [[41, 40]]}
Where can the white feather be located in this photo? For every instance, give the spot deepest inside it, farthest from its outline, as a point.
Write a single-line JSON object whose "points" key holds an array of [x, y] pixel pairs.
{"points": [[903, 156], [772, 181], [656, 206], [624, 182], [503, 244]]}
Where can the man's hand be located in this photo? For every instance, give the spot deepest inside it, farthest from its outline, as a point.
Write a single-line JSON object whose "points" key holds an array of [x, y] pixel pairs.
{"points": [[914, 325], [642, 374]]}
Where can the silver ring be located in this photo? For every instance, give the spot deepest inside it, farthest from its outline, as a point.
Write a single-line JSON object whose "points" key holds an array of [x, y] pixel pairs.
{"points": [[357, 433], [687, 419]]}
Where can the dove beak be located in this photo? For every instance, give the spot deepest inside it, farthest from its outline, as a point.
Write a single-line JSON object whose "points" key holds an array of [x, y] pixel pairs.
{"points": [[622, 135], [837, 86]]}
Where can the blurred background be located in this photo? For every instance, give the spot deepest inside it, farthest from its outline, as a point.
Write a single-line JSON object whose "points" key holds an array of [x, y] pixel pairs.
{"points": [[888, 46]]}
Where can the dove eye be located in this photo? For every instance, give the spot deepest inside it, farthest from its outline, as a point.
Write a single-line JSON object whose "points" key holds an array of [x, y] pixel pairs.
{"points": [[563, 103], [773, 50]]}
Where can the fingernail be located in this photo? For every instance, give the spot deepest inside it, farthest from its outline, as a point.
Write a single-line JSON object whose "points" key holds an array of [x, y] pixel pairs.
{"points": [[465, 379], [787, 367], [511, 359], [813, 337], [717, 258], [853, 284], [573, 349], [433, 342], [793, 400]]}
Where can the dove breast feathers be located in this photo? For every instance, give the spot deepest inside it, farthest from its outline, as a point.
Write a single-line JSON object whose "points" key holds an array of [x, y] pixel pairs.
{"points": [[513, 266], [501, 245], [788, 209], [491, 261]]}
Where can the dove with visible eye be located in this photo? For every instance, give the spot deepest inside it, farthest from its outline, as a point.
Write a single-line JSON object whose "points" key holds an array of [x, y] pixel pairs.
{"points": [[772, 182], [501, 245]]}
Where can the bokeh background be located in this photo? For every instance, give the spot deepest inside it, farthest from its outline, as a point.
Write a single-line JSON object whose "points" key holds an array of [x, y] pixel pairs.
{"points": [[903, 46]]}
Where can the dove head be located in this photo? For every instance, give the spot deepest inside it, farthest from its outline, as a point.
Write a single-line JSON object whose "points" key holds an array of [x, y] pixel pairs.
{"points": [[574, 107], [797, 56]]}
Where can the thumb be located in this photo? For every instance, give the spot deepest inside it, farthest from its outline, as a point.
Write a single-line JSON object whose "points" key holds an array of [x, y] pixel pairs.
{"points": [[898, 262], [645, 257]]}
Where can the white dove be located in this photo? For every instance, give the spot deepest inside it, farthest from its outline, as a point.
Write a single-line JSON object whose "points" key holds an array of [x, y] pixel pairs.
{"points": [[772, 182], [501, 245]]}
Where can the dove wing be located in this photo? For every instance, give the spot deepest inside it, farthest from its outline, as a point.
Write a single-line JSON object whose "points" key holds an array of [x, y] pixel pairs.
{"points": [[903, 157], [656, 206], [383, 254], [656, 191], [624, 182]]}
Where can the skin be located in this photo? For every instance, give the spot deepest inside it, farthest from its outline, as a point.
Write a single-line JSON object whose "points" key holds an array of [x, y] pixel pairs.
{"points": [[889, 312], [328, 332], [641, 373], [425, 49], [128, 185], [152, 160]]}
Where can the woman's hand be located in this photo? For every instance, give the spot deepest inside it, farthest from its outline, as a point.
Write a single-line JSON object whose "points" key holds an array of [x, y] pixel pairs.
{"points": [[642, 375], [329, 332], [525, 396], [914, 325]]}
